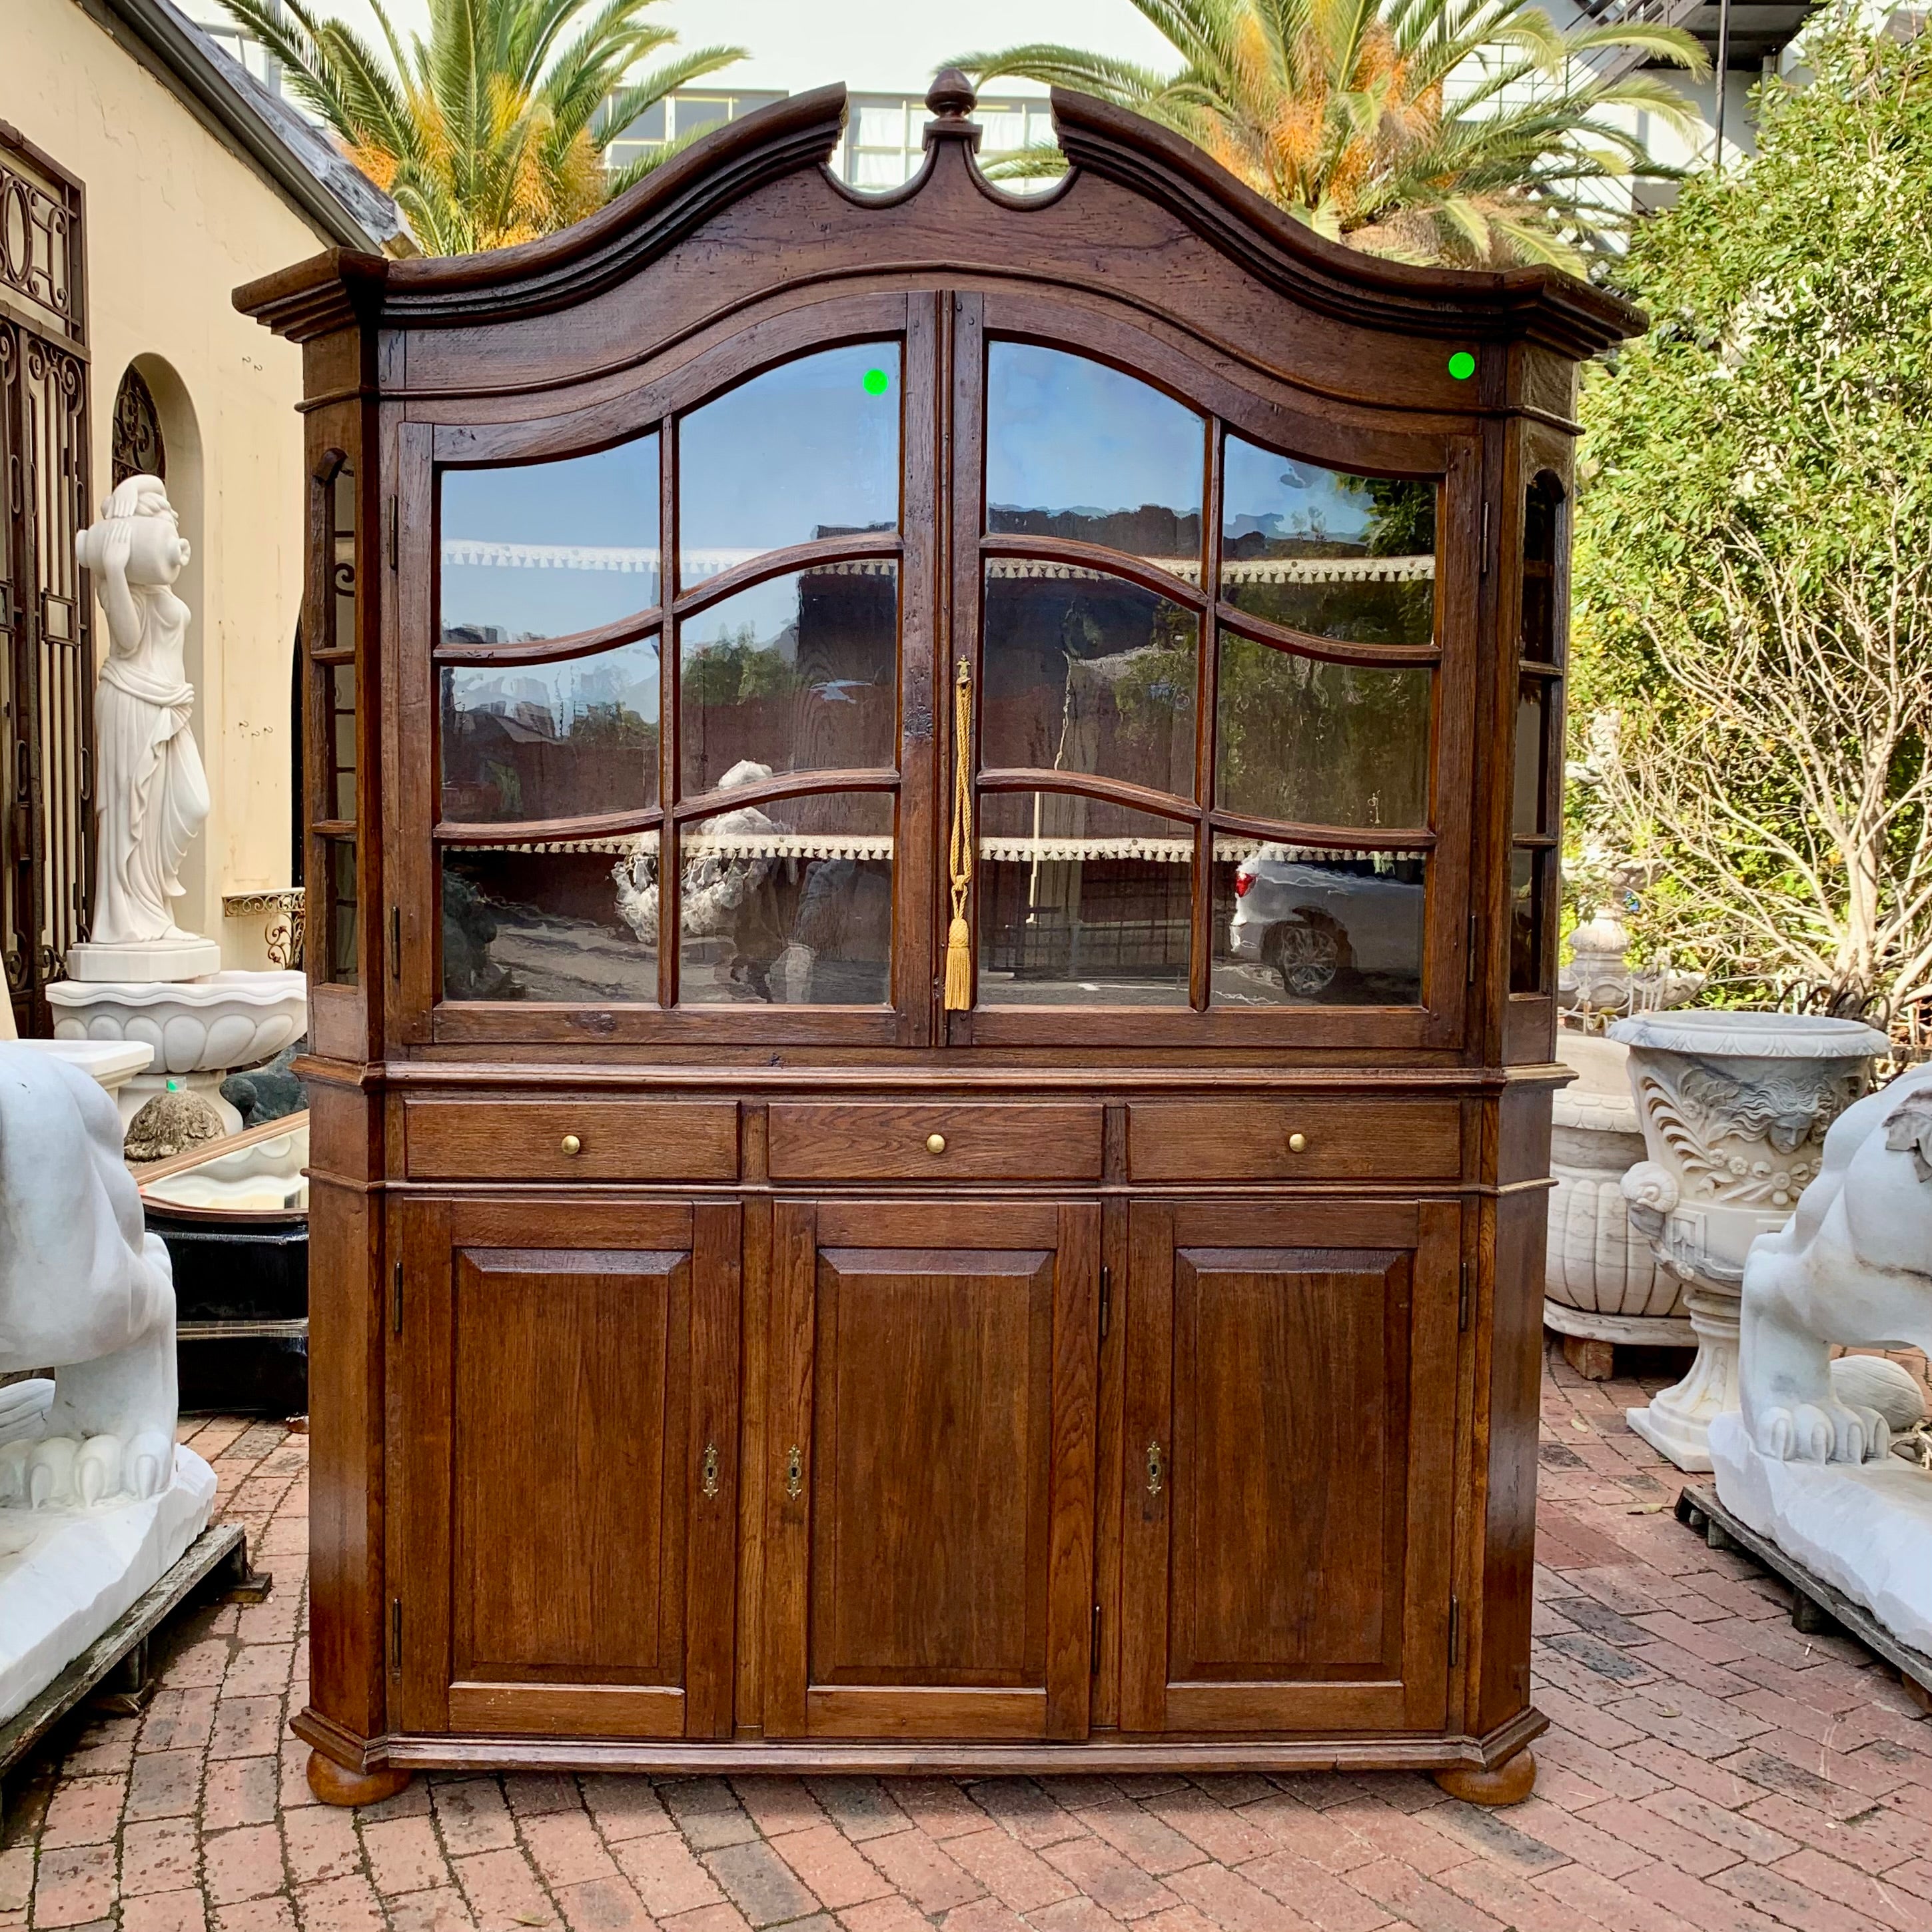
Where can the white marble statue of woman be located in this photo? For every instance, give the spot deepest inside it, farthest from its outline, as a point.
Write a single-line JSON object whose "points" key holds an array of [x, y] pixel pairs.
{"points": [[151, 793]]}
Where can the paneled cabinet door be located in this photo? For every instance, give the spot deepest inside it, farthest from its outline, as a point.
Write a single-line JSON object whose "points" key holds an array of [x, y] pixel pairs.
{"points": [[564, 1418], [929, 1499], [1291, 1413]]}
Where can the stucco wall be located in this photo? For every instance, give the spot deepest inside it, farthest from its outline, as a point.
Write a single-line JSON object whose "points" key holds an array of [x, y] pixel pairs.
{"points": [[175, 220]]}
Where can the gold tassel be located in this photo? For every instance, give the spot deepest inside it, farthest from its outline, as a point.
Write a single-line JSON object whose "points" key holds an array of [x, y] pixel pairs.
{"points": [[959, 935]]}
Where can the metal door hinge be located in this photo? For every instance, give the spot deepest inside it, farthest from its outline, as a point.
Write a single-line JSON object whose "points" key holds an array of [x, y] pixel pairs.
{"points": [[1106, 1297], [1484, 570], [1463, 1300], [1093, 1660], [395, 1633], [1475, 937], [395, 942], [1455, 1631], [396, 1302], [396, 530]]}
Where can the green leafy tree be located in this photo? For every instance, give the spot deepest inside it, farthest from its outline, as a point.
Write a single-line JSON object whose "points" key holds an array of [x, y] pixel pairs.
{"points": [[1465, 131], [493, 130], [1752, 685]]}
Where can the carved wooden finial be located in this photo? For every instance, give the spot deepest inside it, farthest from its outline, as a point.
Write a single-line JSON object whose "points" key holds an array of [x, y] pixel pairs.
{"points": [[951, 99]]}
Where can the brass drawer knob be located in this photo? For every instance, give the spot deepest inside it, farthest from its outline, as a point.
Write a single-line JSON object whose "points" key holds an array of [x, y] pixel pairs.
{"points": [[572, 1144], [1297, 1143], [935, 1143]]}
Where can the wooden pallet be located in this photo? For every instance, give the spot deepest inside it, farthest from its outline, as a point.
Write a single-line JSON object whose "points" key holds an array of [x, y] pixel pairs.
{"points": [[112, 1674], [1816, 1606]]}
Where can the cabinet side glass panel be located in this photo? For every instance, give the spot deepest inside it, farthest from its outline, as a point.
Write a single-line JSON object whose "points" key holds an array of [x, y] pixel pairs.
{"points": [[546, 550], [808, 450], [788, 904], [575, 922], [1326, 552], [1081, 902], [1078, 450]]}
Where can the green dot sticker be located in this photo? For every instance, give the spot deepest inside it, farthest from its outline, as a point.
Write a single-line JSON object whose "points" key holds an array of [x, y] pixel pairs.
{"points": [[876, 382], [1462, 366]]}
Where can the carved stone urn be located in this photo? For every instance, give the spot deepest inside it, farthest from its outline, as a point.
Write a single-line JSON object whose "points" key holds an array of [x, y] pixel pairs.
{"points": [[1601, 1283], [1734, 1108]]}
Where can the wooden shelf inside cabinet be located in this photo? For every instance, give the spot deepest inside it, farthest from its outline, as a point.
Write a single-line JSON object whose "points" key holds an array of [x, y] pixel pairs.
{"points": [[914, 1016]]}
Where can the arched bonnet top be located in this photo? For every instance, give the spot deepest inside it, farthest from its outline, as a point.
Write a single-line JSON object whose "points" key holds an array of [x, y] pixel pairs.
{"points": [[1140, 209]]}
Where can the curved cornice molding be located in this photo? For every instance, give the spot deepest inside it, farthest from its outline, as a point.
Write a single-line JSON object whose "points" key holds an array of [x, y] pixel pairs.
{"points": [[331, 291]]}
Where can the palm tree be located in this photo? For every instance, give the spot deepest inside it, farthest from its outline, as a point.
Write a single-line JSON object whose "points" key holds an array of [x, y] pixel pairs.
{"points": [[492, 130], [1471, 132]]}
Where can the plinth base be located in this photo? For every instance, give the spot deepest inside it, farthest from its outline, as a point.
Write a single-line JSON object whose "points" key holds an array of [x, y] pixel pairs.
{"points": [[165, 960]]}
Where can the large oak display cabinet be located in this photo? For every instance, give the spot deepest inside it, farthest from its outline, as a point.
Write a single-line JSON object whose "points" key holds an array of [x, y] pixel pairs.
{"points": [[931, 830]]}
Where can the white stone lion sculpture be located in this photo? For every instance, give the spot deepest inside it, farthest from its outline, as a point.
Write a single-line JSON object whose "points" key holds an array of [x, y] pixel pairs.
{"points": [[1853, 1265], [85, 1291]]}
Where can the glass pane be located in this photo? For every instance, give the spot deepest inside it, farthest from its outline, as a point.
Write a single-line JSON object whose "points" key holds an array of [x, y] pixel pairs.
{"points": [[1527, 884], [1318, 743], [808, 449], [342, 559], [1082, 903], [1541, 507], [551, 741], [547, 550], [790, 904], [1088, 673], [1333, 555], [797, 673], [577, 923], [338, 865], [339, 701], [1529, 799], [1077, 450], [1295, 925]]}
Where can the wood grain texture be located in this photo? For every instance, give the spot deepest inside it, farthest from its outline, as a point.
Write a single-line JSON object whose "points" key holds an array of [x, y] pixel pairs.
{"points": [[890, 1141], [619, 1140], [1228, 1139]]}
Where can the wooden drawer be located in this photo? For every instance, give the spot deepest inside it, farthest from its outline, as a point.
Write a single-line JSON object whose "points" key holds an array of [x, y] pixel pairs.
{"points": [[617, 1140], [889, 1141], [1248, 1140]]}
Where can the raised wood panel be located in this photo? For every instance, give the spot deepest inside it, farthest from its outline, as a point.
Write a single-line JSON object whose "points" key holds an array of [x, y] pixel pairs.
{"points": [[617, 1140], [928, 1534], [882, 1141], [1248, 1140]]}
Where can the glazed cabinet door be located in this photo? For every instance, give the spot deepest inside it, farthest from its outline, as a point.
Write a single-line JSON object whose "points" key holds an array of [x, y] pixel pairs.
{"points": [[929, 1510], [563, 1416], [1290, 1411]]}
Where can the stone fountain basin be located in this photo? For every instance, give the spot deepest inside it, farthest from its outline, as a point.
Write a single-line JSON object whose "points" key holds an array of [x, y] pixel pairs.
{"points": [[234, 1213], [195, 1026]]}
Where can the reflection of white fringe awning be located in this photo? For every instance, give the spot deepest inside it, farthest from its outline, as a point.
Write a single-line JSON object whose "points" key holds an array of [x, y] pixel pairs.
{"points": [[1022, 850], [699, 565], [1018, 849], [726, 846]]}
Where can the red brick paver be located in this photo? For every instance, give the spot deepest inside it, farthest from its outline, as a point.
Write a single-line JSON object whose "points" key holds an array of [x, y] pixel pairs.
{"points": [[1707, 1770]]}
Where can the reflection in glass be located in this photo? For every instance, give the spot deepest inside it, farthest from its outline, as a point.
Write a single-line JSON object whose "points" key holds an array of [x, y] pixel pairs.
{"points": [[526, 922], [342, 559], [1081, 903], [338, 866], [1076, 450], [1542, 506], [797, 674], [1527, 870], [1529, 801], [789, 904], [1333, 555], [1295, 925], [808, 449], [1318, 743], [545, 550], [551, 740], [339, 692], [1085, 672]]}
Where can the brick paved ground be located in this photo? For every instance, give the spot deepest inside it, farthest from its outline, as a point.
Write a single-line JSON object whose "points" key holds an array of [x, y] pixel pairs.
{"points": [[1707, 1767]]}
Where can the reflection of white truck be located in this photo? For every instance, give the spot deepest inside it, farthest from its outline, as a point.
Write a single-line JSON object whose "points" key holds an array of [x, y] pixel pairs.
{"points": [[1313, 923]]}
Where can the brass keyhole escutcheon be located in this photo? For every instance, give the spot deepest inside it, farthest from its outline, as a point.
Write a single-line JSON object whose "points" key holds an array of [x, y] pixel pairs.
{"points": [[935, 1143], [1156, 1466], [794, 1472], [1297, 1143], [710, 1468], [572, 1144]]}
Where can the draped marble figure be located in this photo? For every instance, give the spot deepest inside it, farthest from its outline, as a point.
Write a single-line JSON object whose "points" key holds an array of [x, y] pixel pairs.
{"points": [[151, 793]]}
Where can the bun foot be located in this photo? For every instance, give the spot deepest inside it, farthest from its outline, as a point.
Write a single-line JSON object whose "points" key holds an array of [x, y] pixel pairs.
{"points": [[334, 1786], [1509, 1783]]}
